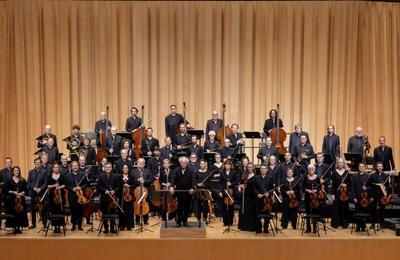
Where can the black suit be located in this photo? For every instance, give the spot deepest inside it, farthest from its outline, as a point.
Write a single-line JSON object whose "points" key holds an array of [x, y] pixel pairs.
{"points": [[115, 143], [73, 180], [133, 123], [52, 153], [294, 140], [90, 156], [103, 126], [36, 179], [44, 136], [213, 124], [384, 155], [183, 180], [172, 124], [270, 124], [149, 145], [267, 151], [165, 153], [330, 146], [104, 183], [120, 163]]}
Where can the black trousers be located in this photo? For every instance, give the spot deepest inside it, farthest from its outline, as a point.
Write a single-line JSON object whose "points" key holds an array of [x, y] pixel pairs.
{"points": [[126, 220], [288, 214], [76, 213], [340, 214], [106, 210], [183, 211], [259, 211]]}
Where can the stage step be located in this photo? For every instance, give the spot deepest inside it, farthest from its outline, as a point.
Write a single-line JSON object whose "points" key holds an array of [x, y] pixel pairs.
{"points": [[193, 231]]}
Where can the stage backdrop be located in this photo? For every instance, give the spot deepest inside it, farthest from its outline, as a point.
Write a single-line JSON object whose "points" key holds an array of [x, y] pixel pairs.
{"points": [[62, 62]]}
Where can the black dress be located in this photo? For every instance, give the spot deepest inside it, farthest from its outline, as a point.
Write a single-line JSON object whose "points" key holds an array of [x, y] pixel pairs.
{"points": [[56, 208], [247, 212], [21, 218]]}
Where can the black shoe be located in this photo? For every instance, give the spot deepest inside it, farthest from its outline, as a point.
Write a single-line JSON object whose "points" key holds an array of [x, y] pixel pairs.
{"points": [[18, 231], [106, 231], [113, 231], [122, 228], [185, 224], [178, 225], [80, 228], [32, 227], [129, 229], [137, 223], [73, 228], [266, 231]]}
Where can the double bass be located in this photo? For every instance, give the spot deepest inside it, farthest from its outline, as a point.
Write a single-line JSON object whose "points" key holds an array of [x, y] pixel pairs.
{"points": [[101, 151], [223, 131], [137, 136], [278, 135]]}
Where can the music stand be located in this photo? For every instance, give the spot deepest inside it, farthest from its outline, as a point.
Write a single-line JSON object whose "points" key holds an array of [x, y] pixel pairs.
{"points": [[125, 135], [112, 159], [198, 133], [252, 135], [354, 158], [209, 157], [328, 159]]}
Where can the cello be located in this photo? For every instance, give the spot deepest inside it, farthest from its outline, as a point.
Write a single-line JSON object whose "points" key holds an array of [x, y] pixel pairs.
{"points": [[141, 208], [278, 135], [223, 131]]}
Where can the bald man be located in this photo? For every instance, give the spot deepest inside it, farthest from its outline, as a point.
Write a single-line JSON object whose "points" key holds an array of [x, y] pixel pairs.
{"points": [[102, 125], [113, 142], [357, 142], [214, 123], [42, 140]]}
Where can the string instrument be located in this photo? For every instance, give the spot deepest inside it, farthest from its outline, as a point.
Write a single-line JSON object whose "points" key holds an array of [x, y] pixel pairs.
{"points": [[141, 208], [57, 196], [314, 201], [112, 204], [228, 200], [386, 198], [344, 191], [170, 201], [18, 206], [88, 209], [66, 199], [278, 135], [37, 200], [223, 131], [137, 136], [81, 197], [268, 201], [101, 151], [127, 196], [364, 198], [156, 200], [321, 192]]}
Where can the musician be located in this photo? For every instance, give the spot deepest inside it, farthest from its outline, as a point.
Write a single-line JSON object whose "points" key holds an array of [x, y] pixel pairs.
{"points": [[380, 184], [127, 145], [5, 173], [211, 144], [384, 154], [149, 143], [217, 165], [214, 123], [358, 143], [331, 144], [194, 163], [361, 182], [228, 180], [183, 179], [55, 186], [271, 122], [143, 177], [321, 168], [266, 150], [102, 126], [274, 170], [127, 183], [311, 185], [74, 142], [165, 182], [168, 151], [294, 139], [227, 152], [263, 183], [65, 167], [341, 184], [247, 212], [173, 122], [236, 138], [107, 186], [46, 166], [89, 151], [133, 122], [15, 189], [288, 164], [36, 186], [42, 140], [101, 170], [181, 141], [113, 142], [123, 160], [290, 207], [195, 148], [76, 181], [303, 153], [202, 183], [154, 163], [51, 151]]}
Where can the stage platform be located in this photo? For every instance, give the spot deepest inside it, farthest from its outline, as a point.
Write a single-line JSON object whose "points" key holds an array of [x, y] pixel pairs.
{"points": [[217, 245]]}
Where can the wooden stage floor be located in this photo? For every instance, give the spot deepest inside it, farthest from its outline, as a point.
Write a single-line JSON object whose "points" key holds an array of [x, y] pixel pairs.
{"points": [[218, 245]]}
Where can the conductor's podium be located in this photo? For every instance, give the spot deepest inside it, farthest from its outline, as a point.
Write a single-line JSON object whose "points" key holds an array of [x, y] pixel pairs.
{"points": [[194, 230]]}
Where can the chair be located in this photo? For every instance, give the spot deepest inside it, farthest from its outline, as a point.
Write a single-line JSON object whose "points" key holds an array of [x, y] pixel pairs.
{"points": [[315, 219], [9, 218], [105, 218], [271, 225], [53, 220], [363, 218]]}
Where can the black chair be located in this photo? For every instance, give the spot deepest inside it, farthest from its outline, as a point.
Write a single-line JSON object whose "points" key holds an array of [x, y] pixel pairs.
{"points": [[271, 225], [362, 218], [315, 219], [55, 220], [9, 218], [113, 218]]}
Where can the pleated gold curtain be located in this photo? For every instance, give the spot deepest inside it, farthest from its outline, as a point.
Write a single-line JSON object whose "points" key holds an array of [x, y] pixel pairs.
{"points": [[62, 62]]}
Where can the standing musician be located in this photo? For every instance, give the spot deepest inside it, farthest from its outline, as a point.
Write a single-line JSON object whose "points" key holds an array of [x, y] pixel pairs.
{"points": [[384, 154], [76, 182], [113, 142], [274, 170], [5, 173], [145, 177], [331, 145], [228, 181], [51, 151], [195, 148], [358, 143], [321, 167], [154, 163], [266, 151], [74, 142], [108, 185], [247, 212], [202, 182], [124, 160], [65, 167], [361, 193], [288, 164], [165, 182], [133, 122], [149, 143], [243, 166], [183, 180], [172, 122], [294, 139], [89, 151], [311, 184], [303, 153], [291, 196], [341, 188], [36, 186], [264, 182], [380, 191], [236, 139], [127, 145], [227, 152], [42, 140], [181, 141], [214, 123], [102, 126], [271, 122], [194, 163], [168, 151], [15, 189], [46, 166], [211, 144], [127, 184], [55, 187]]}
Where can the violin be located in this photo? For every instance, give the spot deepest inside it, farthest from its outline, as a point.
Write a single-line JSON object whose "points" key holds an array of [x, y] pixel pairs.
{"points": [[66, 204], [143, 207], [37, 204], [156, 200], [293, 203], [127, 196], [57, 196], [228, 200], [267, 204], [81, 198], [314, 201], [364, 199], [19, 207], [113, 202], [321, 192], [344, 194]]}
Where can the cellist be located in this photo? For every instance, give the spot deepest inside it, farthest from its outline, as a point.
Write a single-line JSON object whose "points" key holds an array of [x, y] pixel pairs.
{"points": [[145, 177]]}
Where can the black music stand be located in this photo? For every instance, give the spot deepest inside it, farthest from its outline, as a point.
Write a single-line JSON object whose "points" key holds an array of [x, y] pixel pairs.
{"points": [[198, 133], [328, 159], [112, 159], [125, 135], [209, 157], [252, 135], [354, 158]]}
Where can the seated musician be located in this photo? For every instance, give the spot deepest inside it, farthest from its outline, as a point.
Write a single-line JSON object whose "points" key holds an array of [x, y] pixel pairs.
{"points": [[214, 124], [227, 152], [264, 183], [89, 151], [127, 145], [133, 122], [267, 150], [56, 196], [195, 148], [270, 123], [228, 181], [36, 187], [294, 139], [74, 142], [181, 141], [64, 165], [108, 186], [127, 184], [341, 184], [149, 143], [380, 191], [51, 151], [124, 160], [202, 182], [311, 184], [211, 144], [143, 177], [291, 197], [236, 139], [113, 142], [168, 151], [42, 140]]}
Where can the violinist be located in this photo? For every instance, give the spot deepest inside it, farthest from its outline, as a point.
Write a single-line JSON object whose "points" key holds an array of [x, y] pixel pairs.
{"points": [[247, 212], [149, 143], [194, 163], [288, 164], [323, 170], [145, 177], [361, 193], [227, 152], [55, 186], [46, 166], [228, 181], [76, 182], [341, 183], [303, 153], [65, 167], [89, 151], [211, 144], [264, 183], [15, 189], [311, 183], [267, 150], [271, 122], [291, 196], [154, 163], [133, 122], [108, 185], [165, 182], [379, 188], [126, 194], [127, 145], [243, 166], [182, 140], [36, 186], [202, 182]]}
